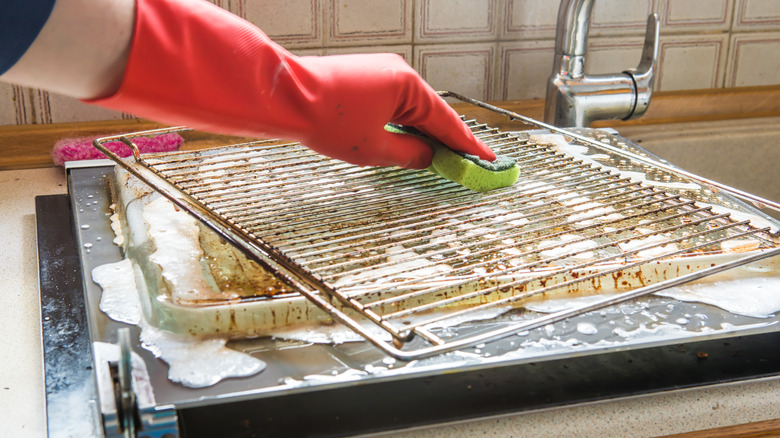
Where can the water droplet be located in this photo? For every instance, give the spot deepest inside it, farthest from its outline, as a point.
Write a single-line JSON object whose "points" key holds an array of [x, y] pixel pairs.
{"points": [[85, 227], [682, 321], [87, 245], [388, 360]]}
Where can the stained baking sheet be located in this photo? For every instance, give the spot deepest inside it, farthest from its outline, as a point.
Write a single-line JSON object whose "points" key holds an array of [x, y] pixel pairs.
{"points": [[651, 344], [644, 323]]}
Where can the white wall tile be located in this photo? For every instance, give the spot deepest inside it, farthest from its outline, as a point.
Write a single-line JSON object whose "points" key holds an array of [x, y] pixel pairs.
{"points": [[685, 16], [526, 19], [468, 69], [368, 22], [60, 109], [404, 50], [22, 105], [14, 109], [291, 23], [754, 60], [622, 17], [529, 19], [319, 51], [691, 62], [456, 20], [612, 55], [523, 69], [757, 15]]}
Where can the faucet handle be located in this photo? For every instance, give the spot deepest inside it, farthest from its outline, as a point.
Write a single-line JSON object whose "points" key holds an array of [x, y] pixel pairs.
{"points": [[644, 75]]}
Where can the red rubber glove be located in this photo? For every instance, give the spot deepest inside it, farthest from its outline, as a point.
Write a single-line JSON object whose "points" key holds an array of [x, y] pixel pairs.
{"points": [[193, 63]]}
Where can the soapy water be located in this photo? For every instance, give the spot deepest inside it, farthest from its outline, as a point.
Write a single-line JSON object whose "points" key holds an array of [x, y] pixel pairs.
{"points": [[119, 299], [192, 362], [339, 334], [581, 152], [178, 252], [196, 362], [757, 297]]}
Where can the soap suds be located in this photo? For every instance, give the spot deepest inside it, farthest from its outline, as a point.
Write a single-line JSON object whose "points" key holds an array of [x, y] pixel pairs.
{"points": [[339, 334], [119, 299], [197, 363], [177, 251], [756, 297], [116, 226], [581, 152], [193, 362]]}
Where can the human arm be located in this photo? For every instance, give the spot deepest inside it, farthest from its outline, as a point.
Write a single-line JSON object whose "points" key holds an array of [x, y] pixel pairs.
{"points": [[190, 62], [81, 50]]}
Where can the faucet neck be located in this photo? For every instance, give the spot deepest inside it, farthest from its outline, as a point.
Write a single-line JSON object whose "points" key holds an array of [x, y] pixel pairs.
{"points": [[568, 66], [573, 26]]}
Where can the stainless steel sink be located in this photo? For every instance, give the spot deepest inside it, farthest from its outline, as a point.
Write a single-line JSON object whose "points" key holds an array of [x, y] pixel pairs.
{"points": [[743, 153]]}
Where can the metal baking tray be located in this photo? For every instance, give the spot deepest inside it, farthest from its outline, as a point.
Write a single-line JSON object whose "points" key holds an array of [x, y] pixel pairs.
{"points": [[368, 246], [294, 395]]}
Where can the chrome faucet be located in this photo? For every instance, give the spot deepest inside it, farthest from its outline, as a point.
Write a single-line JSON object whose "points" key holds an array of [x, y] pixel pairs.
{"points": [[575, 99]]}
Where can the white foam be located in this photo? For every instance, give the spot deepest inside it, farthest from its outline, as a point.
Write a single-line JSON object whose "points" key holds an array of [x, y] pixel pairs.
{"points": [[758, 297], [656, 246], [402, 268], [581, 152], [177, 250], [587, 328], [197, 363], [338, 333], [119, 299], [571, 248], [193, 362], [552, 305], [116, 226]]}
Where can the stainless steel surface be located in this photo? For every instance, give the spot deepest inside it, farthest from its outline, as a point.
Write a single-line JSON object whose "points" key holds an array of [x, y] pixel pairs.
{"points": [[639, 347], [357, 242], [575, 99]]}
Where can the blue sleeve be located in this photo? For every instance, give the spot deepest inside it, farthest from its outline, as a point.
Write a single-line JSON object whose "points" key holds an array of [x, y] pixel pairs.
{"points": [[20, 23]]}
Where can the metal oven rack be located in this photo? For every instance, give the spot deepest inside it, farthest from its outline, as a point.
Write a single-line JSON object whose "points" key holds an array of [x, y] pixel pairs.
{"points": [[407, 251]]}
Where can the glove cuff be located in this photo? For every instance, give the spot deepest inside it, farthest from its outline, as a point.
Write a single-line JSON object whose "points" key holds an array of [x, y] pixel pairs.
{"points": [[193, 63]]}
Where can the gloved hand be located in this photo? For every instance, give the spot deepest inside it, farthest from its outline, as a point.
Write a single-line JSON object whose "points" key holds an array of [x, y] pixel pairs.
{"points": [[193, 63]]}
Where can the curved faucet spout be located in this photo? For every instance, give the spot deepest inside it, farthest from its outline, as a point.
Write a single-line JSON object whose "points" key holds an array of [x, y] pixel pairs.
{"points": [[575, 98], [572, 38]]}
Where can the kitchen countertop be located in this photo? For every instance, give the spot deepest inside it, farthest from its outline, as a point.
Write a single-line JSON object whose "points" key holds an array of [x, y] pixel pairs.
{"points": [[22, 411]]}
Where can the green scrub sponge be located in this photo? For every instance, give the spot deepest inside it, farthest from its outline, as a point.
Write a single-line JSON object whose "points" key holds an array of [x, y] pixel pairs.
{"points": [[467, 170]]}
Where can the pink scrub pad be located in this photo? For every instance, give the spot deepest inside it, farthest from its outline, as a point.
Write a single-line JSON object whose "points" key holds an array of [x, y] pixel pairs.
{"points": [[74, 149]]}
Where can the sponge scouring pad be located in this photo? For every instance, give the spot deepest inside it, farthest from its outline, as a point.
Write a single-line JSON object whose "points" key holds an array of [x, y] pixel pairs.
{"points": [[75, 149], [470, 171]]}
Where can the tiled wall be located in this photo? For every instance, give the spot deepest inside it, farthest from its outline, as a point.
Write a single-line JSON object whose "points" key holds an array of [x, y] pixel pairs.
{"points": [[496, 49]]}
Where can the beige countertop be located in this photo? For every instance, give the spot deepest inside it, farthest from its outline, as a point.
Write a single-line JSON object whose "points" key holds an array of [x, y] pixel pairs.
{"points": [[22, 410]]}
